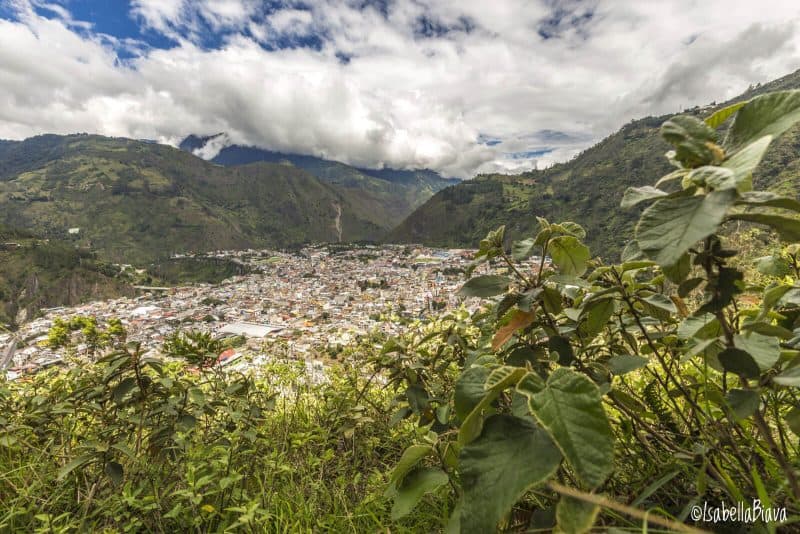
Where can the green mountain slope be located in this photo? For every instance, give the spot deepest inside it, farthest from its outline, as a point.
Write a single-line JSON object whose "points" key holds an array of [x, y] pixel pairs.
{"points": [[586, 190], [392, 193], [134, 201], [35, 274]]}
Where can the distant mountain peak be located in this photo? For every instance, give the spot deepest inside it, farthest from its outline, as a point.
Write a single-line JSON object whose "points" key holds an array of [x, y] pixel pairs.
{"points": [[206, 147]]}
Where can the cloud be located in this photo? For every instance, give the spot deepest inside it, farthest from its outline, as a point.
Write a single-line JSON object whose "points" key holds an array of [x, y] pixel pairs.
{"points": [[452, 85]]}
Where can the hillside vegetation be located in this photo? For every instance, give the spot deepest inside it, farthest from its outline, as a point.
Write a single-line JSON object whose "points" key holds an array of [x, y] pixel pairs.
{"points": [[645, 395], [136, 201], [390, 192], [585, 189]]}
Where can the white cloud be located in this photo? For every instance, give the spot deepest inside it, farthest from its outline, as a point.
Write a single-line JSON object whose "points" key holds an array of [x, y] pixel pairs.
{"points": [[418, 84]]}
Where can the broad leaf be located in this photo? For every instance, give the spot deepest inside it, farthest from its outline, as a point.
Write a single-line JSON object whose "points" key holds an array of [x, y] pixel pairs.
{"points": [[510, 456], [411, 457], [415, 485], [743, 402], [596, 315], [518, 321], [570, 408], [522, 250], [620, 364], [469, 390], [764, 350], [574, 516], [694, 140], [670, 227], [790, 377], [787, 227], [569, 255], [742, 164], [769, 114], [485, 286], [635, 195], [768, 199], [739, 362], [716, 119]]}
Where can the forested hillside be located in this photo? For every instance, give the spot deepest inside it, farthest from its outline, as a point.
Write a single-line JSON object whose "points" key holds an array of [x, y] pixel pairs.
{"points": [[390, 192], [136, 201], [585, 189]]}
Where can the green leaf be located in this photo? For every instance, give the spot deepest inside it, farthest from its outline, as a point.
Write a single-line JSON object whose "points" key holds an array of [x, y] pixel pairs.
{"points": [[510, 456], [764, 350], [773, 266], [570, 408], [743, 402], [574, 516], [80, 461], [768, 199], [415, 485], [712, 176], [659, 306], [569, 255], [469, 390], [485, 286], [769, 114], [670, 227], [790, 377], [522, 250], [716, 119], [678, 272], [793, 420], [596, 315], [621, 364], [635, 195], [502, 377], [411, 457], [739, 362], [115, 472], [122, 389], [694, 140], [742, 164], [787, 227], [561, 346]]}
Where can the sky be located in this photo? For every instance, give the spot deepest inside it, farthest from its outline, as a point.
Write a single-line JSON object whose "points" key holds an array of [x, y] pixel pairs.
{"points": [[458, 86]]}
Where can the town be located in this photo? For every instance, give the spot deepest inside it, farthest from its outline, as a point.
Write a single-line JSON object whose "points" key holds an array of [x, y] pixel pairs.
{"points": [[311, 303]]}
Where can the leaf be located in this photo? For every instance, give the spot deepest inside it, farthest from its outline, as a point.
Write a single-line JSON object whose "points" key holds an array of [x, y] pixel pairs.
{"points": [[790, 377], [502, 377], [670, 227], [596, 316], [659, 306], [768, 199], [122, 389], [519, 320], [765, 350], [787, 227], [793, 420], [570, 408], [769, 114], [415, 485], [635, 195], [522, 250], [411, 457], [772, 266], [560, 345], [716, 119], [485, 286], [739, 362], [621, 364], [80, 461], [510, 456], [694, 140], [469, 390], [742, 164], [115, 472], [743, 402], [574, 516], [678, 272], [569, 255]]}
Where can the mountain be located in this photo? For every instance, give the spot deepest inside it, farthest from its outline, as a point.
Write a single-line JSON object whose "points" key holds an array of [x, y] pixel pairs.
{"points": [[135, 201], [587, 189], [36, 274], [392, 193]]}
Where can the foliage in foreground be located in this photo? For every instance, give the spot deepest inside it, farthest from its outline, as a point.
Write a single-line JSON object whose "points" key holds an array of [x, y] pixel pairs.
{"points": [[587, 394], [131, 444]]}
